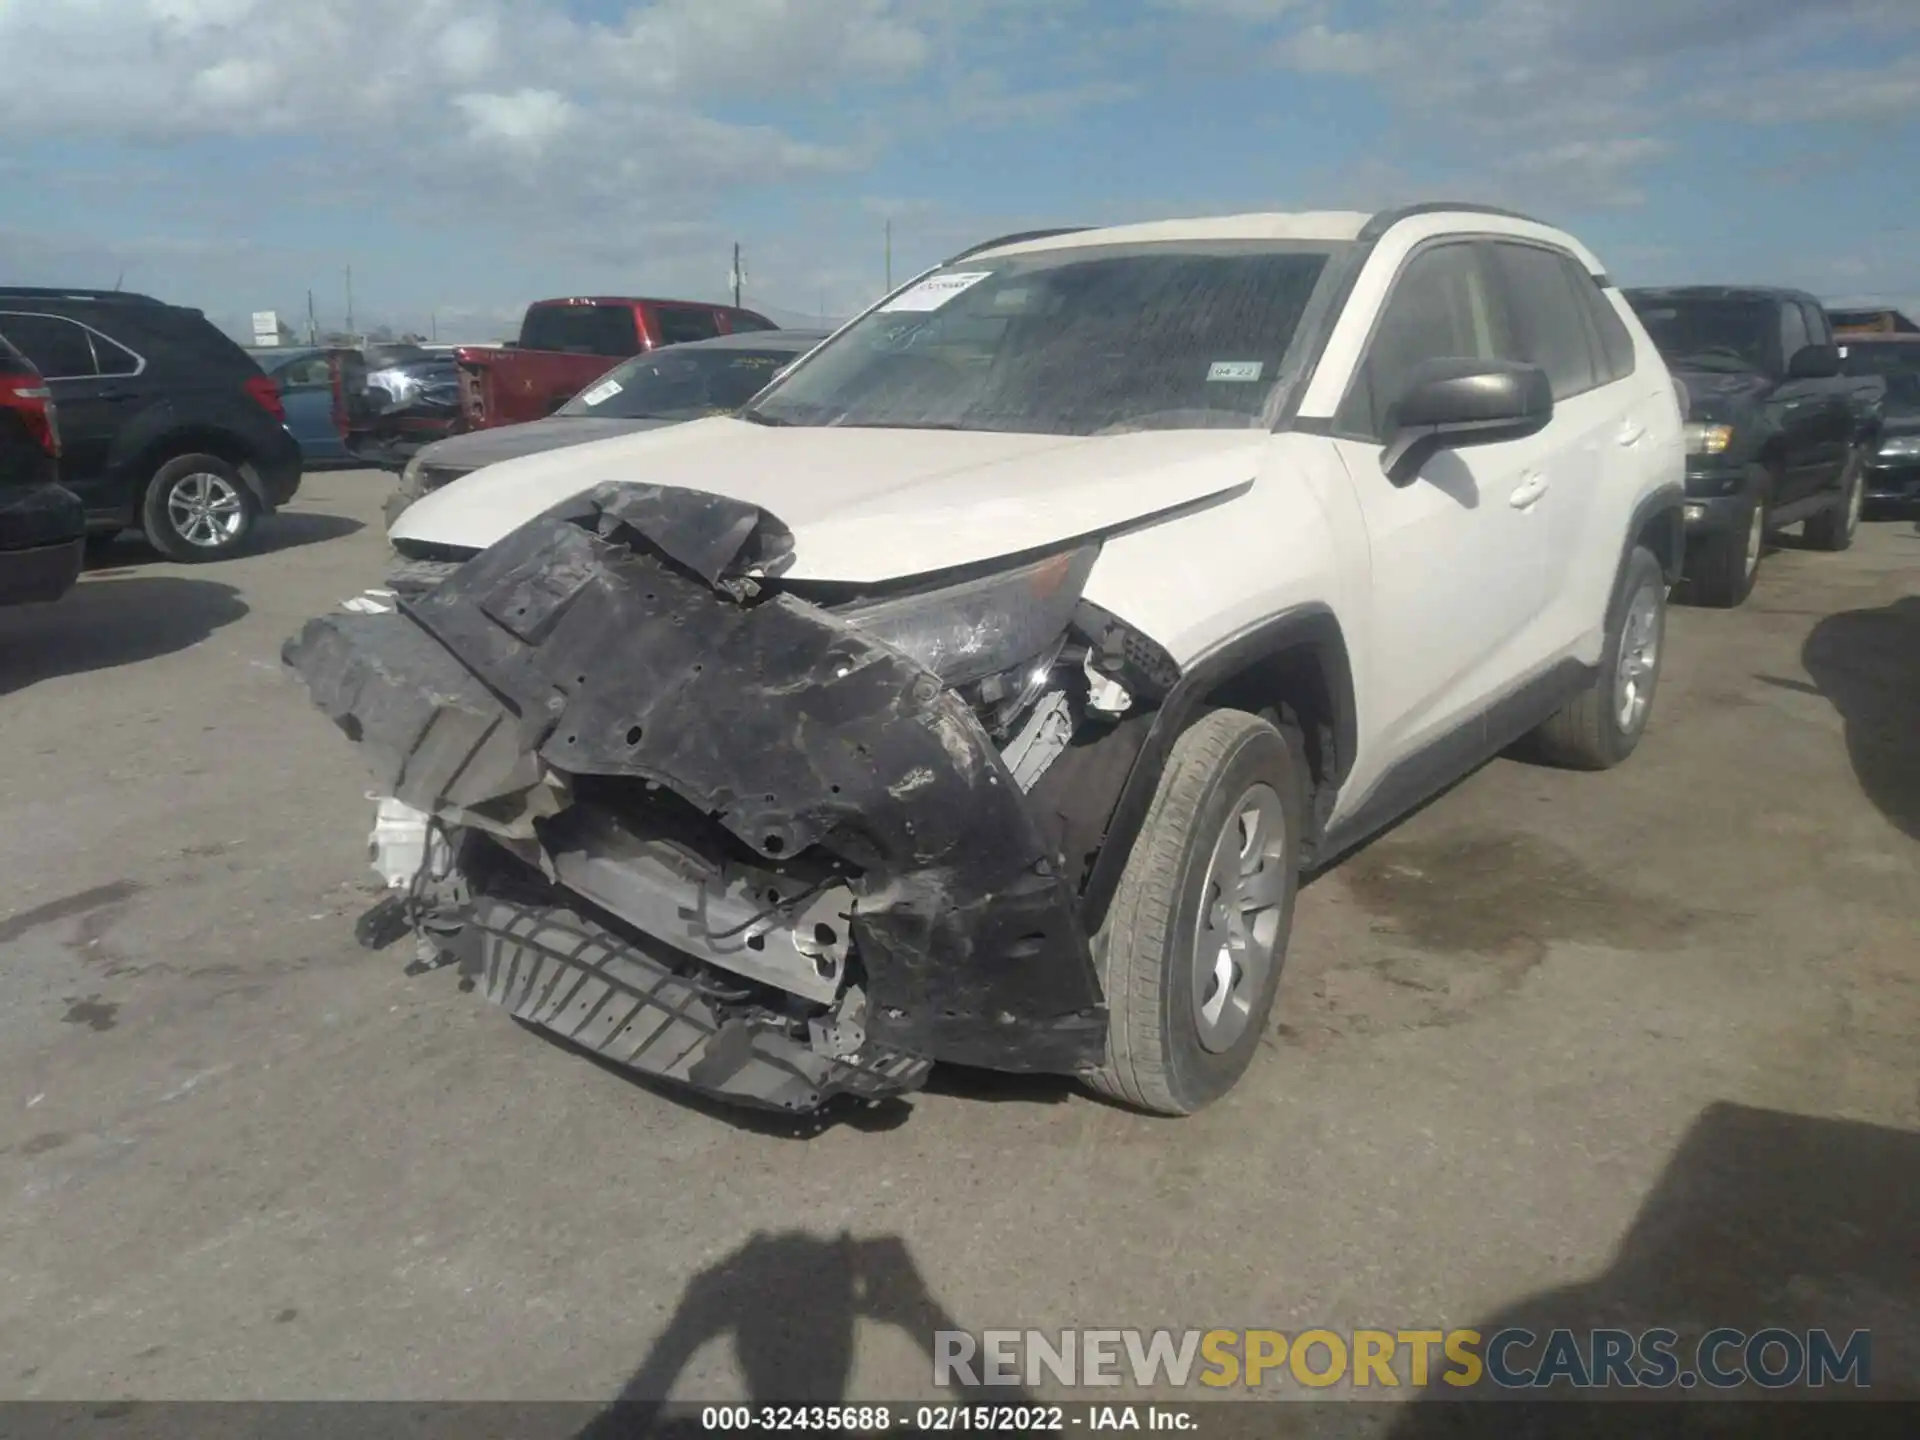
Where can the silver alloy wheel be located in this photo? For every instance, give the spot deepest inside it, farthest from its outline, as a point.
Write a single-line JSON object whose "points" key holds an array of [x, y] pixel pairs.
{"points": [[205, 510], [1756, 536], [1639, 663], [1239, 925]]}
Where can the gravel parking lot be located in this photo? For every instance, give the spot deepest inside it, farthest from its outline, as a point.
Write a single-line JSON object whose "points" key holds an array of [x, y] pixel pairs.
{"points": [[1633, 1048]]}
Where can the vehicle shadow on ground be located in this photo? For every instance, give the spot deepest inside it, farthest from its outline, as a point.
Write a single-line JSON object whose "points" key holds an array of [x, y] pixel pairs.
{"points": [[288, 530], [104, 623], [1866, 663], [791, 1303], [1761, 1219]]}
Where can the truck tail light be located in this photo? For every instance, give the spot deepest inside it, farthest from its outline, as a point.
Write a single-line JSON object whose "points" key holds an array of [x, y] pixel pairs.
{"points": [[33, 403], [267, 395]]}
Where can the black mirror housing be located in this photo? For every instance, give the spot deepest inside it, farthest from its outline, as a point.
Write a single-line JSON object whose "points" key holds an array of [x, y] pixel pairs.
{"points": [[1814, 362], [1455, 402]]}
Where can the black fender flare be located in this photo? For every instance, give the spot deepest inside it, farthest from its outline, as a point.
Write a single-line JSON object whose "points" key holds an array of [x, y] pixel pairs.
{"points": [[1312, 628], [1671, 497]]}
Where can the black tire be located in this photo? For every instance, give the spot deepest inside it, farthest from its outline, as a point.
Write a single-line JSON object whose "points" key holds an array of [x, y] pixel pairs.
{"points": [[1835, 527], [1589, 732], [1721, 568], [171, 515], [1156, 1059]]}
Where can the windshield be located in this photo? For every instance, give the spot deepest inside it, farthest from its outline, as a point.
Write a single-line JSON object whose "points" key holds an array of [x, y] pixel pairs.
{"points": [[1900, 364], [1066, 342], [1710, 334], [679, 383]]}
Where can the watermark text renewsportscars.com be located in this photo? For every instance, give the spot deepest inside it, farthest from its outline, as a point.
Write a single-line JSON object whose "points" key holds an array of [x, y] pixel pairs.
{"points": [[1510, 1359]]}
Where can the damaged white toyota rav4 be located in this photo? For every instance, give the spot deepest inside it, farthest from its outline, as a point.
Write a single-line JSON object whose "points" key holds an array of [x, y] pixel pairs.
{"points": [[981, 690]]}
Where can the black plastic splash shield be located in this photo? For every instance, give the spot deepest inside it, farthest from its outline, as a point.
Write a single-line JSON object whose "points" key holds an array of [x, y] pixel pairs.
{"points": [[605, 638]]}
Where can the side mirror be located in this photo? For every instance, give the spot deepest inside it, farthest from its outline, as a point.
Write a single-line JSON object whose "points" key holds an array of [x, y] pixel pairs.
{"points": [[1814, 362], [1463, 402]]}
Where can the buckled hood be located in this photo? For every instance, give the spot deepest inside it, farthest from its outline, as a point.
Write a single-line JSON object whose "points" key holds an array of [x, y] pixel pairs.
{"points": [[868, 505]]}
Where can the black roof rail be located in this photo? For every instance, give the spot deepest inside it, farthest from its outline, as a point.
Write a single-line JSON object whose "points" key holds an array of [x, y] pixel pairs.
{"points": [[1017, 238], [66, 292], [1385, 220]]}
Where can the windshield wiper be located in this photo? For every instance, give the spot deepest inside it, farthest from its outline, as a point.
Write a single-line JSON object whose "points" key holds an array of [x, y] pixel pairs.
{"points": [[759, 417], [900, 425]]}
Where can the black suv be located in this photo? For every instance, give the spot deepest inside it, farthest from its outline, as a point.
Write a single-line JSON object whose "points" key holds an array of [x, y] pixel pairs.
{"points": [[42, 527], [167, 426], [1775, 433]]}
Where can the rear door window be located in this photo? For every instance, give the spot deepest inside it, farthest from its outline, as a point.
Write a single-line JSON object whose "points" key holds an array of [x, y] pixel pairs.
{"points": [[682, 324], [57, 346], [1550, 326], [1616, 345]]}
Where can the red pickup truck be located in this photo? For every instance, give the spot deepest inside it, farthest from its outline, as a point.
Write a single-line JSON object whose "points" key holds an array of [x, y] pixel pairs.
{"points": [[565, 345]]}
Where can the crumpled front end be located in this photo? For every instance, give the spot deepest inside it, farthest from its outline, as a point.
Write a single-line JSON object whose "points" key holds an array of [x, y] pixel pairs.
{"points": [[709, 830]]}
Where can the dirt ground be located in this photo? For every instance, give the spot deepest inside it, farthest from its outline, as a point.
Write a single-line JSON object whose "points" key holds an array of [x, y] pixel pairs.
{"points": [[1635, 1048]]}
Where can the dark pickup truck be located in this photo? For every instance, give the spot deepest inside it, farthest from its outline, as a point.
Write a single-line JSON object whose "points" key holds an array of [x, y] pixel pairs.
{"points": [[565, 345], [1776, 434]]}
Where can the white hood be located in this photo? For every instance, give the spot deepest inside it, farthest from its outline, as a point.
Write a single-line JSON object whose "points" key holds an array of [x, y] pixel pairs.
{"points": [[867, 505]]}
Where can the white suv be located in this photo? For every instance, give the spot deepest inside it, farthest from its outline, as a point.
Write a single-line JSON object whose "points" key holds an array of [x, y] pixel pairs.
{"points": [[980, 691]]}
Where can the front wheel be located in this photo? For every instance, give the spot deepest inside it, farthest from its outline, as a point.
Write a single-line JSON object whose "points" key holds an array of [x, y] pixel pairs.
{"points": [[1722, 568], [1602, 725], [1194, 940]]}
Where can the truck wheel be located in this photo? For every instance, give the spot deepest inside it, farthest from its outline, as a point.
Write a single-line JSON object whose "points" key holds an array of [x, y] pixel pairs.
{"points": [[1721, 570], [1600, 727], [1835, 527], [197, 508], [1193, 943]]}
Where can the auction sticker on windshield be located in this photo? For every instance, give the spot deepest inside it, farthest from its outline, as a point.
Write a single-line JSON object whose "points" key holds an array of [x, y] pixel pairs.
{"points": [[935, 291], [1240, 370], [605, 390]]}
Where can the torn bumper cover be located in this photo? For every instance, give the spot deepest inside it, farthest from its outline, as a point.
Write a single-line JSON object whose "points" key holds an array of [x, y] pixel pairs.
{"points": [[623, 641]]}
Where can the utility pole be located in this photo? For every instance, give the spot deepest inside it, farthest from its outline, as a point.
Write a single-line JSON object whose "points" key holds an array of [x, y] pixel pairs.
{"points": [[433, 326], [736, 275], [351, 333], [889, 257], [313, 325]]}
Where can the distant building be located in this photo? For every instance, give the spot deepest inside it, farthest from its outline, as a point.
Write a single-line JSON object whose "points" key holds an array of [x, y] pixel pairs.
{"points": [[1871, 320]]}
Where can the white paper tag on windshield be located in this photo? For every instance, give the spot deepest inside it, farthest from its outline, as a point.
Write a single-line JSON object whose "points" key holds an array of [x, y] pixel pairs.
{"points": [[935, 291], [605, 390], [1242, 370]]}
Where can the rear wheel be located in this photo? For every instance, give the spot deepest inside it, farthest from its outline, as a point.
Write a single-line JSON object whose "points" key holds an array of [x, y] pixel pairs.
{"points": [[1601, 726], [1721, 569], [1835, 527], [1193, 943], [197, 508]]}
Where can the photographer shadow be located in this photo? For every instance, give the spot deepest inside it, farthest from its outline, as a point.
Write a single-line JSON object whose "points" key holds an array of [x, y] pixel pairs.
{"points": [[791, 1303]]}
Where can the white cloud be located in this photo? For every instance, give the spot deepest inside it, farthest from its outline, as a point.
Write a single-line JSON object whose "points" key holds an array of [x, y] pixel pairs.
{"points": [[525, 120]]}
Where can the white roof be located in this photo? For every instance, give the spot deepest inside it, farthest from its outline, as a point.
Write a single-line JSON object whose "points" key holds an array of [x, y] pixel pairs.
{"points": [[1265, 225]]}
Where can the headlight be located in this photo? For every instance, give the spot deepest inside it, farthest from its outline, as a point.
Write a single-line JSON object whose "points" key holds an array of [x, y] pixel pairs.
{"points": [[1708, 439], [1901, 447], [966, 632], [410, 476]]}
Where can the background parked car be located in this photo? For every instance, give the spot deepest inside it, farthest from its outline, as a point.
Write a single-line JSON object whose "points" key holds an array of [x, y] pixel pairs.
{"points": [[1775, 433], [42, 523], [565, 345], [1893, 475], [314, 384], [166, 424], [664, 387]]}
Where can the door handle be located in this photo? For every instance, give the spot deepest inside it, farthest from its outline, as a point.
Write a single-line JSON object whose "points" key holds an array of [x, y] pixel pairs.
{"points": [[1632, 433], [1528, 493], [116, 394]]}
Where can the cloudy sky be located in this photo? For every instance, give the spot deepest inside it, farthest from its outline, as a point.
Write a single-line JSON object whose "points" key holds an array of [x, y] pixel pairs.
{"points": [[465, 156]]}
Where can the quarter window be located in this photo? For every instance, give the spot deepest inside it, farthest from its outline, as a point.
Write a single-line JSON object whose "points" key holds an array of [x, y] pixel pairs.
{"points": [[1441, 307]]}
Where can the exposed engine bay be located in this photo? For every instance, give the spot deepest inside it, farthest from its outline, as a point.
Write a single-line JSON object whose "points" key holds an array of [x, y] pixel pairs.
{"points": [[772, 843]]}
